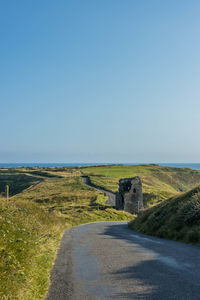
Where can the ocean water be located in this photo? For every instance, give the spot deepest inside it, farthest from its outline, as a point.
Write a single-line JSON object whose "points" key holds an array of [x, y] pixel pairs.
{"points": [[194, 166], [43, 165]]}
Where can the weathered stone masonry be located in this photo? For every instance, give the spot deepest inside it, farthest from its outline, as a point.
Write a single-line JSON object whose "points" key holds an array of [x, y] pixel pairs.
{"points": [[130, 198]]}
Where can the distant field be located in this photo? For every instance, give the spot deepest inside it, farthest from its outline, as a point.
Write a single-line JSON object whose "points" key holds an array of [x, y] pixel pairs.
{"points": [[21, 178], [159, 183], [71, 199], [17, 181]]}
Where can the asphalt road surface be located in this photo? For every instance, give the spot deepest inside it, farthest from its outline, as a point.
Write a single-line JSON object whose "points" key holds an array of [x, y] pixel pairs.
{"points": [[106, 260]]}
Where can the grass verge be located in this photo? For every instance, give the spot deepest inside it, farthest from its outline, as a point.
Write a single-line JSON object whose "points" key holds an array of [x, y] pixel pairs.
{"points": [[29, 237], [177, 218]]}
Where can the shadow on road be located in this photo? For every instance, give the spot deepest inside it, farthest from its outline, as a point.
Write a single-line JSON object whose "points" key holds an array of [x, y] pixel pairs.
{"points": [[162, 269]]}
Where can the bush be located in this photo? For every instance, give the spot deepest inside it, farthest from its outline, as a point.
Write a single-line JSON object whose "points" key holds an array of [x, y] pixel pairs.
{"points": [[193, 236]]}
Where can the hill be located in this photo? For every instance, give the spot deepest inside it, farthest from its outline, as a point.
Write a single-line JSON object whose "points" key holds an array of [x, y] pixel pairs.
{"points": [[159, 183], [32, 223], [177, 218], [46, 201], [29, 238], [17, 181]]}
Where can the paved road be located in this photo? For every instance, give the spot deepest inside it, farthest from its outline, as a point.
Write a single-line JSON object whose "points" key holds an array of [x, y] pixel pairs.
{"points": [[111, 196], [106, 260]]}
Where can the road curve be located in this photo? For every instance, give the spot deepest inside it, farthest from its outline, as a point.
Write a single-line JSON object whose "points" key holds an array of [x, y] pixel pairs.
{"points": [[111, 196], [106, 260]]}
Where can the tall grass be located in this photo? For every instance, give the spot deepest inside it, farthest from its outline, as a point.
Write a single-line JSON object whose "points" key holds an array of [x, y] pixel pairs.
{"points": [[177, 218], [29, 237]]}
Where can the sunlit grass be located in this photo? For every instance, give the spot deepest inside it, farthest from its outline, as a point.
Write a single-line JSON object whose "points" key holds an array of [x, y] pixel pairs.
{"points": [[29, 237], [159, 183], [31, 226], [32, 222], [70, 198], [177, 218]]}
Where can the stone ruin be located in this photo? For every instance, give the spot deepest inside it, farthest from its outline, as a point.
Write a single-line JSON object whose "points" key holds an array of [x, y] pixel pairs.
{"points": [[130, 198]]}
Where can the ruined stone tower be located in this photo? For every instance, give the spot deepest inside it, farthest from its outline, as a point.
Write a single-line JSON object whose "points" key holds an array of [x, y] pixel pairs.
{"points": [[130, 196]]}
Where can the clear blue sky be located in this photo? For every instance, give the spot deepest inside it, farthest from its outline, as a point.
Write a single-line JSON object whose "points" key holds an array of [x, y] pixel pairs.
{"points": [[100, 81]]}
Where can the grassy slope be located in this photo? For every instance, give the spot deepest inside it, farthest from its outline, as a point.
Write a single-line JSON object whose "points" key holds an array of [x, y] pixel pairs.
{"points": [[159, 182], [17, 181], [29, 238], [33, 221], [177, 218], [71, 199], [20, 179], [31, 225]]}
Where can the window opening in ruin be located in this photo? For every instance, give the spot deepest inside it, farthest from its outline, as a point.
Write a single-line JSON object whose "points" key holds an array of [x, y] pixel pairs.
{"points": [[127, 186], [134, 190]]}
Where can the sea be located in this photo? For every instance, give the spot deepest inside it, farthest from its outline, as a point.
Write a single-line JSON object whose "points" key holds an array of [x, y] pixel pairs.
{"points": [[194, 166]]}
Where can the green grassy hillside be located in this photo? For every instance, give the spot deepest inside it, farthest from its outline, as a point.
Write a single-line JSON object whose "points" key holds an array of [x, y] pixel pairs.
{"points": [[159, 182], [32, 223], [20, 179], [70, 198], [177, 218], [17, 181], [29, 238], [46, 201]]}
